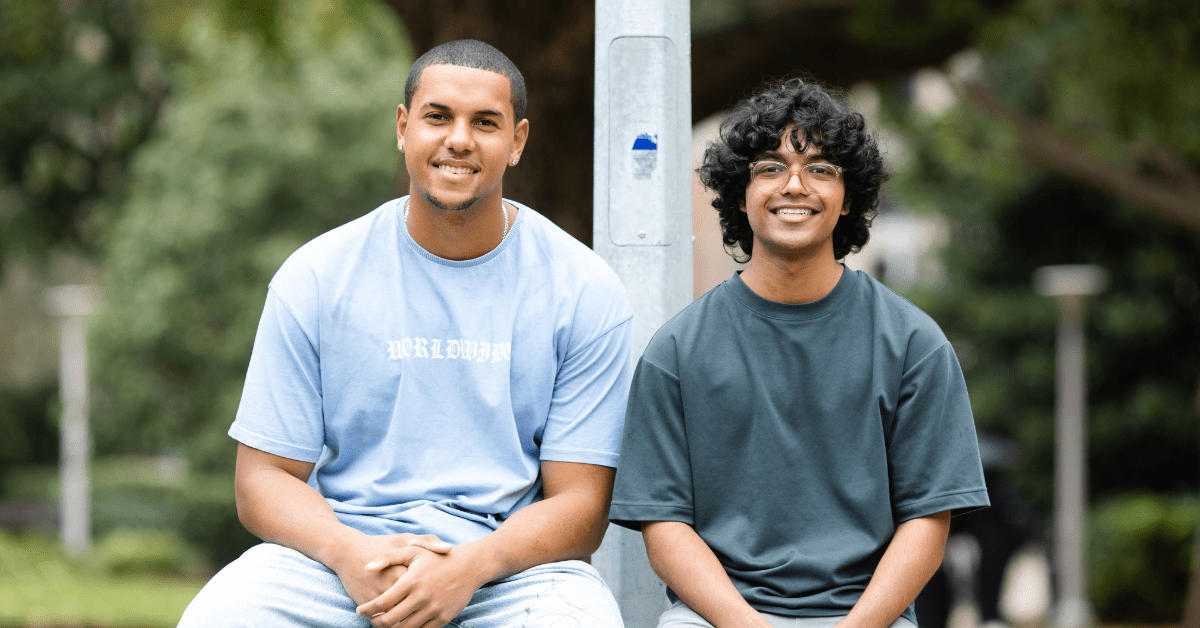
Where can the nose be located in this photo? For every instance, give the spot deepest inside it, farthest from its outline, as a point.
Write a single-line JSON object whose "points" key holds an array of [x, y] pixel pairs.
{"points": [[459, 138], [789, 188]]}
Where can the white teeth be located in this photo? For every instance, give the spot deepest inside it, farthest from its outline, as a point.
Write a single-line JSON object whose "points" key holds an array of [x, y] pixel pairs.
{"points": [[456, 169], [796, 212]]}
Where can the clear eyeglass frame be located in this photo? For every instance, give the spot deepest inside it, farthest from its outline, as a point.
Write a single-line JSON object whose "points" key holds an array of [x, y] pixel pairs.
{"points": [[770, 176]]}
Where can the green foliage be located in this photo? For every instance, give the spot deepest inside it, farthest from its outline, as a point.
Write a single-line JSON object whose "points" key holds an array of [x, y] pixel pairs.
{"points": [[1142, 386], [78, 95], [1103, 73], [1114, 77], [1075, 65], [208, 521], [261, 150], [1140, 554], [189, 524], [26, 429], [126, 551], [199, 512], [880, 22], [42, 587]]}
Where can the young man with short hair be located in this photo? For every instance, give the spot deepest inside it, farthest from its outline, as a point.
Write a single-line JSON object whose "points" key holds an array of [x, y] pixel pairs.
{"points": [[797, 438], [433, 407]]}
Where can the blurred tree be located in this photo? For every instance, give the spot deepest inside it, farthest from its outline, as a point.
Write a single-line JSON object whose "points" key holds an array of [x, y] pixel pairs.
{"points": [[78, 95], [1077, 142], [1141, 384], [29, 436], [1106, 93], [261, 149], [1116, 77]]}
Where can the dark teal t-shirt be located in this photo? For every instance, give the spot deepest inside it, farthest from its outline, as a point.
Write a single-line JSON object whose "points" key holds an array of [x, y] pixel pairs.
{"points": [[795, 438]]}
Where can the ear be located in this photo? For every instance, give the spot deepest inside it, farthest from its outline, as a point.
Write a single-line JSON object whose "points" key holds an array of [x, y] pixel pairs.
{"points": [[520, 136], [401, 125]]}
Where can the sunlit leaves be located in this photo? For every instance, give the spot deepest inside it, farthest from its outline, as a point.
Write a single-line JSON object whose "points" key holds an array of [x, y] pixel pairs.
{"points": [[76, 100], [265, 146]]}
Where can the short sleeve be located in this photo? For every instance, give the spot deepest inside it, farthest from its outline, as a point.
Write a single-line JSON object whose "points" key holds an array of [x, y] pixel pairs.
{"points": [[587, 410], [654, 478], [281, 407], [933, 452]]}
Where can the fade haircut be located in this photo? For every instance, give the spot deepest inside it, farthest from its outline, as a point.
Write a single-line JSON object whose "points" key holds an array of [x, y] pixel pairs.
{"points": [[821, 118], [469, 53]]}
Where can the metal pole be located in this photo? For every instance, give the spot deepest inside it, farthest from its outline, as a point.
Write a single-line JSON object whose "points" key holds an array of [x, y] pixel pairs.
{"points": [[71, 305], [1070, 470], [1070, 285], [642, 221]]}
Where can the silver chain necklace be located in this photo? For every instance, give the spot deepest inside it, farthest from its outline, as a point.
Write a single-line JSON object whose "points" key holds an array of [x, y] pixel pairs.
{"points": [[503, 212]]}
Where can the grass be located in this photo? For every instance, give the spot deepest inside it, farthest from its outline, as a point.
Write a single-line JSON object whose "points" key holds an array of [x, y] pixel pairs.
{"points": [[141, 572], [40, 587]]}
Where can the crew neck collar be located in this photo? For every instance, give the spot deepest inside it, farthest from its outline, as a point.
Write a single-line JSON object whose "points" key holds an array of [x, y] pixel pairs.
{"points": [[793, 311], [398, 211]]}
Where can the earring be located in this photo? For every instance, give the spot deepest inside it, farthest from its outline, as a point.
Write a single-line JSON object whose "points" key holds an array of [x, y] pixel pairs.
{"points": [[514, 162], [401, 147]]}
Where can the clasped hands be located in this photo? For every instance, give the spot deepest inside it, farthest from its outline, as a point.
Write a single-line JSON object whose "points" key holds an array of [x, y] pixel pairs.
{"points": [[407, 580]]}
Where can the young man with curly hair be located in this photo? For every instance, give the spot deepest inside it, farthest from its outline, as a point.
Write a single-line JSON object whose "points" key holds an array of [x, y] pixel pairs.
{"points": [[798, 437]]}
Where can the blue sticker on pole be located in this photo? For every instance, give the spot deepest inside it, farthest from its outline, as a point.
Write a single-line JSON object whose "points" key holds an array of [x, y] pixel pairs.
{"points": [[645, 155]]}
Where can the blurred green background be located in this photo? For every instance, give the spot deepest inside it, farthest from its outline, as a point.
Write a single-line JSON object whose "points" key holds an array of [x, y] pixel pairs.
{"points": [[176, 154]]}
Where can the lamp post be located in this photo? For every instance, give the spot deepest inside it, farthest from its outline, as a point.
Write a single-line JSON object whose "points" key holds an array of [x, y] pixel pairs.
{"points": [[1070, 285], [642, 216], [71, 305]]}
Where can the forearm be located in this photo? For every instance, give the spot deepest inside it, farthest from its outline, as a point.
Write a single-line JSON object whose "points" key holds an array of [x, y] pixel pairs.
{"points": [[686, 564], [568, 524], [278, 507], [909, 561]]}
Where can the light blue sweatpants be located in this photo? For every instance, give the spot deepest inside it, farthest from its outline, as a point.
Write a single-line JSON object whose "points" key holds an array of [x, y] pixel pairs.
{"points": [[271, 585]]}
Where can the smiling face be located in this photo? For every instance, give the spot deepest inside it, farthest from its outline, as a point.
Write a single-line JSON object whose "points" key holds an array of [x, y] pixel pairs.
{"points": [[794, 221], [459, 137]]}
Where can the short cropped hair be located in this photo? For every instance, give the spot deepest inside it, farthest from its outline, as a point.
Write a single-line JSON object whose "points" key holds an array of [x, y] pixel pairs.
{"points": [[822, 119], [469, 53]]}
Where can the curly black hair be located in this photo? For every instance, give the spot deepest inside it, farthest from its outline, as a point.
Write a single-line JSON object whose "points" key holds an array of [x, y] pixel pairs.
{"points": [[821, 118]]}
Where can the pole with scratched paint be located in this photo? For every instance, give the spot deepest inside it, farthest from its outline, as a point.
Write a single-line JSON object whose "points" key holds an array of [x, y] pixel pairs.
{"points": [[642, 220]]}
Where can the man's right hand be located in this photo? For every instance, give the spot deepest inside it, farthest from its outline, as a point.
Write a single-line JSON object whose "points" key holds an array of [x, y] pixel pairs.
{"points": [[363, 585]]}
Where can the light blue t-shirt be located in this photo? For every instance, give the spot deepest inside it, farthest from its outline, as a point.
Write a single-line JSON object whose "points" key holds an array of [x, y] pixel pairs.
{"points": [[428, 391]]}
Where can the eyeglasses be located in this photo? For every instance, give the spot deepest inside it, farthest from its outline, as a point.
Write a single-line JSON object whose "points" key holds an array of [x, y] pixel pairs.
{"points": [[772, 176]]}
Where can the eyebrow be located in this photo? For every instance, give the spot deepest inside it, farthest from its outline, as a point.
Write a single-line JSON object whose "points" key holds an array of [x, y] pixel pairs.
{"points": [[481, 112], [777, 156]]}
